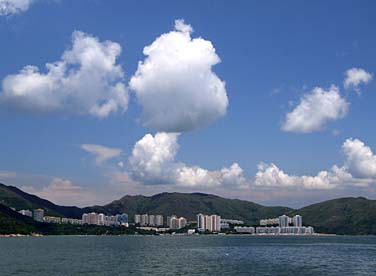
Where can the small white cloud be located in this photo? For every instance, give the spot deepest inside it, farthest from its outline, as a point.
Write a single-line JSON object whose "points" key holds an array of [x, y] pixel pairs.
{"points": [[182, 27], [11, 7], [354, 77], [86, 80], [315, 110], [175, 84], [360, 160], [153, 162], [121, 164], [101, 153]]}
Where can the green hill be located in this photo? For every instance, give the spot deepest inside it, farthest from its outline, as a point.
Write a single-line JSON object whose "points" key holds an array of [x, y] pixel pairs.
{"points": [[189, 205], [12, 222], [13, 197], [355, 216], [351, 216]]}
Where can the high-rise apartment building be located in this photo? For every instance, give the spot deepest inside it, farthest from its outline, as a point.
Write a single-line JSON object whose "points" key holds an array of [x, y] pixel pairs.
{"points": [[144, 219], [38, 214], [93, 218], [137, 219], [284, 221], [176, 223], [201, 222], [101, 219], [211, 223], [85, 218], [298, 221], [159, 220], [151, 220]]}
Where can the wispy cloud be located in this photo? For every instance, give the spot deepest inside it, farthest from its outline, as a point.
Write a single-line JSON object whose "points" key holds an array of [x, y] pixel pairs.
{"points": [[101, 153]]}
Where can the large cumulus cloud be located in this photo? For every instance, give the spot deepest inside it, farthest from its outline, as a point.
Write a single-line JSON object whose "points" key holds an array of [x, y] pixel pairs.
{"points": [[153, 162], [359, 169], [87, 80], [360, 160], [175, 84]]}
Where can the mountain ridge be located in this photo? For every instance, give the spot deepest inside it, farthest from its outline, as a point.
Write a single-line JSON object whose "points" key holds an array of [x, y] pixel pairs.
{"points": [[348, 215], [12, 196]]}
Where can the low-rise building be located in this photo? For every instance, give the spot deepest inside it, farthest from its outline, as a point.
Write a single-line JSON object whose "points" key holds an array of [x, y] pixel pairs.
{"points": [[269, 222], [27, 213], [225, 223], [245, 229], [71, 221], [50, 219]]}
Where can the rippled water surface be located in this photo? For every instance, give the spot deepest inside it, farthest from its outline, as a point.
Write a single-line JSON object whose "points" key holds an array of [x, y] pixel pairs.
{"points": [[183, 255]]}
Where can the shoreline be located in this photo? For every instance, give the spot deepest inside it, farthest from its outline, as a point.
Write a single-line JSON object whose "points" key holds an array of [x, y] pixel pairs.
{"points": [[186, 235], [20, 235]]}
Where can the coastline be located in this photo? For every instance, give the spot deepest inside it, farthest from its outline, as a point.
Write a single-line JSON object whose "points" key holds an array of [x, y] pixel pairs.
{"points": [[20, 235], [191, 235]]}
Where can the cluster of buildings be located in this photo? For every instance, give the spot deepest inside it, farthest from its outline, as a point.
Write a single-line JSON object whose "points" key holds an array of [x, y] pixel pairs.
{"points": [[289, 230], [208, 223], [37, 214], [87, 218], [225, 223], [282, 225], [282, 221], [172, 222], [50, 219], [103, 220], [148, 220]]}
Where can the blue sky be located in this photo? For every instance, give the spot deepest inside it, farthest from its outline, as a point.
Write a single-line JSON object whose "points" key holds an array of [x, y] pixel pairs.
{"points": [[272, 54]]}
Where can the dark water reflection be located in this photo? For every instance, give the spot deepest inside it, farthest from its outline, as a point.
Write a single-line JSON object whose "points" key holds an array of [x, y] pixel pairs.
{"points": [[183, 255]]}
